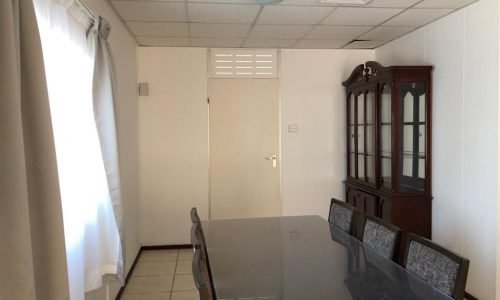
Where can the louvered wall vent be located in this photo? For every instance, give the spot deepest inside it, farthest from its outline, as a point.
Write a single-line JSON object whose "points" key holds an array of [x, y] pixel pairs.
{"points": [[242, 63]]}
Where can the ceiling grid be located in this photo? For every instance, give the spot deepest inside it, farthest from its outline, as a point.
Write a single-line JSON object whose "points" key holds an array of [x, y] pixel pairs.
{"points": [[309, 24]]}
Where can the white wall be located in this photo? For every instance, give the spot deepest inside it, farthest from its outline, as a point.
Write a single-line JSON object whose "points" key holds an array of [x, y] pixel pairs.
{"points": [[174, 135], [463, 48], [173, 142], [498, 168], [123, 47], [313, 160]]}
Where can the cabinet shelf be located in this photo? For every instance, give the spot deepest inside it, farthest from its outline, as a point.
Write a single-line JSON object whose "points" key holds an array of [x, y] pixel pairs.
{"points": [[419, 155], [362, 153], [413, 123]]}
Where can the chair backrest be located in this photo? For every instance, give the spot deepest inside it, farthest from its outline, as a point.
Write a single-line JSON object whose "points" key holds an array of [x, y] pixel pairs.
{"points": [[195, 241], [341, 215], [198, 239], [194, 216], [439, 267], [381, 236], [201, 276]]}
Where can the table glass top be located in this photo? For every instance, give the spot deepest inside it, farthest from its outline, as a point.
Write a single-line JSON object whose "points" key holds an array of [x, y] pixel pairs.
{"points": [[302, 258]]}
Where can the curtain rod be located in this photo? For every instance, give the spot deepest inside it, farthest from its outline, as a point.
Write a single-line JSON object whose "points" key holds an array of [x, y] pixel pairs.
{"points": [[87, 10]]}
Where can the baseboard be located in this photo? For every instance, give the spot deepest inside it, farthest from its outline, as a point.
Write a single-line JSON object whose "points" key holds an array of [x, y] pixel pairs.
{"points": [[470, 297], [155, 247], [166, 247]]}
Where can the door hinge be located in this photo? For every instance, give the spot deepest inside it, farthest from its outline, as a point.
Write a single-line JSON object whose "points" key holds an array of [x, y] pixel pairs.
{"points": [[208, 100]]}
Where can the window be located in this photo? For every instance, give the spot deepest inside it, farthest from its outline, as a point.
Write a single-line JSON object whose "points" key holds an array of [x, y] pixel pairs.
{"points": [[91, 234]]}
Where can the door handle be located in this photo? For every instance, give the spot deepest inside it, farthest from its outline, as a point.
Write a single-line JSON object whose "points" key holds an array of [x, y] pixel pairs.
{"points": [[273, 158]]}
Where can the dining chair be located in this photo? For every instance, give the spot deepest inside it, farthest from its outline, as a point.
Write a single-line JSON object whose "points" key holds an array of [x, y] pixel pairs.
{"points": [[381, 236], [439, 267], [195, 241], [194, 216], [198, 239], [341, 215], [201, 276]]}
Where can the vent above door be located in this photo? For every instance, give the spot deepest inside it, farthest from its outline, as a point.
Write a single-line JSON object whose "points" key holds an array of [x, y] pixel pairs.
{"points": [[243, 63]]}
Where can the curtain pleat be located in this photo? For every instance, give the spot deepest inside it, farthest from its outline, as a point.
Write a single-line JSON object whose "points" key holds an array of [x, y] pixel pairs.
{"points": [[103, 92], [32, 255]]}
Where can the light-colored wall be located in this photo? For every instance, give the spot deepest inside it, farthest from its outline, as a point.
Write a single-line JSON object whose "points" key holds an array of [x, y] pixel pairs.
{"points": [[463, 48], [173, 142], [313, 160], [123, 48], [498, 168], [174, 135]]}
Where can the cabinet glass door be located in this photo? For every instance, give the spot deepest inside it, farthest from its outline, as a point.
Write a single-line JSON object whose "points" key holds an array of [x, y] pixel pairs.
{"points": [[385, 136], [360, 122], [412, 136], [352, 136], [370, 137]]}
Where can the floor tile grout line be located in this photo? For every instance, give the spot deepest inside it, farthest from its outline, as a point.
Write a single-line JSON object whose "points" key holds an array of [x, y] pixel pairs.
{"points": [[177, 260], [175, 271]]}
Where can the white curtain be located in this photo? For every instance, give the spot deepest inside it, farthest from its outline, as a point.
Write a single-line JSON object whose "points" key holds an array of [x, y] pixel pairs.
{"points": [[91, 232], [32, 249], [103, 93]]}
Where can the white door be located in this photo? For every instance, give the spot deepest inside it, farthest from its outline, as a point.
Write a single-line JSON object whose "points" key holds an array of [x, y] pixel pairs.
{"points": [[244, 148]]}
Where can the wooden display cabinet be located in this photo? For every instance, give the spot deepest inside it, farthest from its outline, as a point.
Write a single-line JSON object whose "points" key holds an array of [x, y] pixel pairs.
{"points": [[389, 145]]}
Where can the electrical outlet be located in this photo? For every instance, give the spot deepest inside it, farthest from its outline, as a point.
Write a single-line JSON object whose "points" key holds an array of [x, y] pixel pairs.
{"points": [[293, 128]]}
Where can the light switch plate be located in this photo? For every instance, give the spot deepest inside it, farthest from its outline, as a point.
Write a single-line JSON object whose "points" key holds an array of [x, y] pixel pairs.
{"points": [[293, 128], [143, 89]]}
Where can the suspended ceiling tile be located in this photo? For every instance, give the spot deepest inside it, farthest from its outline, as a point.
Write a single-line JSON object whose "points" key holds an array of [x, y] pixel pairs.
{"points": [[158, 28], [225, 1], [163, 41], [180, 1], [223, 43], [385, 33], [444, 3], [153, 0], [306, 2], [210, 30], [151, 11], [417, 17], [360, 16], [279, 31], [393, 3], [337, 32], [222, 13], [364, 44], [275, 14], [265, 43], [320, 44]]}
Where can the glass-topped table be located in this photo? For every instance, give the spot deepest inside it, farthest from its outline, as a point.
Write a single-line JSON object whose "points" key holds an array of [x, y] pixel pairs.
{"points": [[302, 258]]}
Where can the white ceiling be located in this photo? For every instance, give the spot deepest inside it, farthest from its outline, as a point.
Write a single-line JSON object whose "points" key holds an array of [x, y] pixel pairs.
{"points": [[289, 24]]}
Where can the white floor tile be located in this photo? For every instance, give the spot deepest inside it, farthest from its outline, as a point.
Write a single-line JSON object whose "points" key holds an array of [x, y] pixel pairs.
{"points": [[189, 295], [154, 268], [184, 267], [146, 296], [149, 284], [183, 283], [159, 255], [186, 254]]}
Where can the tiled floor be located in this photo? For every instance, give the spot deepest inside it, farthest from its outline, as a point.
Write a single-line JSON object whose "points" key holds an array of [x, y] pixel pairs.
{"points": [[162, 275]]}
